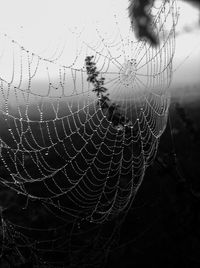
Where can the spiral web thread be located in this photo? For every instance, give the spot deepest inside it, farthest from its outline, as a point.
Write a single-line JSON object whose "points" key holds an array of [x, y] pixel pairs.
{"points": [[57, 145]]}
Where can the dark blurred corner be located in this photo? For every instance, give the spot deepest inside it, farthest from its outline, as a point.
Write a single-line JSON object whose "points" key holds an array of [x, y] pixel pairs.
{"points": [[141, 19]]}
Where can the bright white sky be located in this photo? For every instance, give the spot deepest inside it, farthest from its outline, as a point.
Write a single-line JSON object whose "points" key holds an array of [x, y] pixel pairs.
{"points": [[35, 23], [187, 45]]}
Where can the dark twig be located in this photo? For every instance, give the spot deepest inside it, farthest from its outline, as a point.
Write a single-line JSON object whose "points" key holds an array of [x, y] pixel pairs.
{"points": [[110, 108]]}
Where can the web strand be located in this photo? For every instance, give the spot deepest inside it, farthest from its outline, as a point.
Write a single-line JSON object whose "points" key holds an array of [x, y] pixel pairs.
{"points": [[60, 148]]}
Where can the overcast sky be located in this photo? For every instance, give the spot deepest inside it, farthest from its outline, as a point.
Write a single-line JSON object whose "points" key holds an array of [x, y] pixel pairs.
{"points": [[187, 54], [36, 23]]}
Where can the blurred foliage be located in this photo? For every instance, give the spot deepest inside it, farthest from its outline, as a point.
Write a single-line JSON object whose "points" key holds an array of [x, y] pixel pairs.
{"points": [[141, 19], [162, 227]]}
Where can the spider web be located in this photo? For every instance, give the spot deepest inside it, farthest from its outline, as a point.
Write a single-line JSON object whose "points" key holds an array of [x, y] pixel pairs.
{"points": [[61, 150]]}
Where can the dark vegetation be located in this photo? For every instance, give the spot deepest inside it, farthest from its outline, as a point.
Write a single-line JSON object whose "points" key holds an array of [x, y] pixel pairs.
{"points": [[111, 109], [165, 218], [160, 230]]}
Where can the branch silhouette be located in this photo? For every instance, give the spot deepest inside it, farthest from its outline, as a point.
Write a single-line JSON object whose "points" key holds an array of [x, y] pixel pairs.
{"points": [[111, 109]]}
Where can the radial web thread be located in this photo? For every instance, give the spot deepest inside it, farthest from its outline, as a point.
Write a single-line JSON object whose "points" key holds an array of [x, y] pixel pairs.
{"points": [[59, 147]]}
